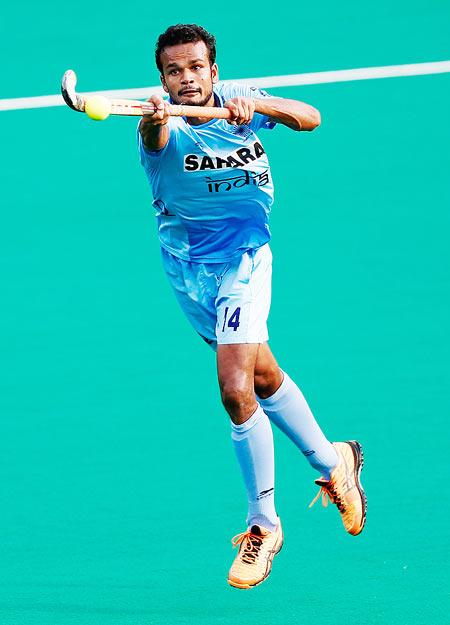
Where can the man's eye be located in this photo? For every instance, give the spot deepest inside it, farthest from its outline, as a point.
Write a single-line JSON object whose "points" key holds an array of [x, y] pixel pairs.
{"points": [[173, 72]]}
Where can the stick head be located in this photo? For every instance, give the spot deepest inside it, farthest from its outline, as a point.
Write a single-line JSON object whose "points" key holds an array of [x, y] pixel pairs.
{"points": [[71, 97]]}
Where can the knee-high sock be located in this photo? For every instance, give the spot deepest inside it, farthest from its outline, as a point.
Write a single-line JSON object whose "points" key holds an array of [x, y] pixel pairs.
{"points": [[287, 408], [253, 444]]}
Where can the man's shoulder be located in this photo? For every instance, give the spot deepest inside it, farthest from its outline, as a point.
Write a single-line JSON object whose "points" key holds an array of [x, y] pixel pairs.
{"points": [[229, 89]]}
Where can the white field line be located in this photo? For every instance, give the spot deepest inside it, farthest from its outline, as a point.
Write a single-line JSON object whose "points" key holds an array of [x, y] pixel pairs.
{"points": [[267, 82]]}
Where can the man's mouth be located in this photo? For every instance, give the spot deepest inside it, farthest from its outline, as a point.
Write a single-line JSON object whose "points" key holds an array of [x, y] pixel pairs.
{"points": [[189, 92]]}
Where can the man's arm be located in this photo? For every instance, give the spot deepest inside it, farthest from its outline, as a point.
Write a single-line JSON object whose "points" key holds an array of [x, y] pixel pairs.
{"points": [[292, 113], [153, 128]]}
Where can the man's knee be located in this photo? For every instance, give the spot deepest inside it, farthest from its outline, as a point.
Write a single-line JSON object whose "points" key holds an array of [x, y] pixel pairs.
{"points": [[238, 399], [268, 381], [235, 369]]}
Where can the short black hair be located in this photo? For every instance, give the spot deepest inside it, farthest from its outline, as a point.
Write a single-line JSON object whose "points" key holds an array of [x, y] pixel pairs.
{"points": [[185, 33]]}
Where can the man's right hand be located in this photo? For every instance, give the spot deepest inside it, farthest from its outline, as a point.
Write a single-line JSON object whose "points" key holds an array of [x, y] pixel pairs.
{"points": [[161, 115], [153, 128]]}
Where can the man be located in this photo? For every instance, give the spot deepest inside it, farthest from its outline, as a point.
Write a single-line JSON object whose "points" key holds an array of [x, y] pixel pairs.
{"points": [[213, 191]]}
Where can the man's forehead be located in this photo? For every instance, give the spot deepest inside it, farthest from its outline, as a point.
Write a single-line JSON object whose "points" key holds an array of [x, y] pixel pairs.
{"points": [[184, 52]]}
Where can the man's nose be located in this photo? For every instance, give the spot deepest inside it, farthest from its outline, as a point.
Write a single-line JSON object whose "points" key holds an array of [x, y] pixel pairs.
{"points": [[187, 77]]}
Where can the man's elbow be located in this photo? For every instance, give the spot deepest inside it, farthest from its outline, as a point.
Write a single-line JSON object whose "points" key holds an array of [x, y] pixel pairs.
{"points": [[317, 119], [313, 120]]}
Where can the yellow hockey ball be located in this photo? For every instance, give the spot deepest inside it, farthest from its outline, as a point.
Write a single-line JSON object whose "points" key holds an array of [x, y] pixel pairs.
{"points": [[98, 107]]}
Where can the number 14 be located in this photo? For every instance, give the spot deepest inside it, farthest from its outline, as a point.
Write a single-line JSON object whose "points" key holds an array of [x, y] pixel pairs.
{"points": [[233, 321]]}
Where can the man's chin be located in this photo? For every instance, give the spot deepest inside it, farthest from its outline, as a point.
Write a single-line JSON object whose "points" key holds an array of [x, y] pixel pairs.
{"points": [[195, 100]]}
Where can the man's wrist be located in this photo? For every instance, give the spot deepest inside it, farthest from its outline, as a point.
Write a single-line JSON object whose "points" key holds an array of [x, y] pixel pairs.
{"points": [[259, 106]]}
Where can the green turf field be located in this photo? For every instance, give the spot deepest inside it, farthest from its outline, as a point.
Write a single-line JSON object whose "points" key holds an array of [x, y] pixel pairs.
{"points": [[120, 490]]}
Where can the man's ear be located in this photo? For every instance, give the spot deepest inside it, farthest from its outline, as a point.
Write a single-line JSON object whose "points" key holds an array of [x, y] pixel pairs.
{"points": [[163, 82], [214, 74]]}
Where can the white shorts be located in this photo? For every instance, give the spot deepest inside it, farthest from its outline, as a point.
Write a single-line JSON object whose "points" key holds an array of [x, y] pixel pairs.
{"points": [[226, 303]]}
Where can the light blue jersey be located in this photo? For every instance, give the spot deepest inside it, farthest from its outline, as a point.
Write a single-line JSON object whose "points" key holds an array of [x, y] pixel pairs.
{"points": [[211, 184]]}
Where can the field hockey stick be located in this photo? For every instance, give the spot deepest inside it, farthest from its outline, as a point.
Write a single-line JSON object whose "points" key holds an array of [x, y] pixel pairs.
{"points": [[77, 102]]}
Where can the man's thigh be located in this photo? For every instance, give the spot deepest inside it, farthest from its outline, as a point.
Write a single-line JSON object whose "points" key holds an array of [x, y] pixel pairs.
{"points": [[243, 299], [226, 303], [236, 365], [196, 290], [249, 365]]}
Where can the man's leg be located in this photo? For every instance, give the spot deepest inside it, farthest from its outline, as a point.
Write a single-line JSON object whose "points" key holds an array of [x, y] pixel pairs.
{"points": [[253, 444], [284, 404], [339, 464], [251, 431]]}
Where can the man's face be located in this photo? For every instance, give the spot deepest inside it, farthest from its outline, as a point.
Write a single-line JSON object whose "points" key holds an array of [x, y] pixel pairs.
{"points": [[187, 74]]}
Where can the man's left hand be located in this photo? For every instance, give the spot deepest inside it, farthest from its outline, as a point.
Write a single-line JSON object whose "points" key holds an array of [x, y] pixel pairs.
{"points": [[242, 110]]}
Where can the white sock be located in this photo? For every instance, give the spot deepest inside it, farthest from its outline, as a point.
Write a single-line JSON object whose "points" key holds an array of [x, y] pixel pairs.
{"points": [[287, 408], [253, 444]]}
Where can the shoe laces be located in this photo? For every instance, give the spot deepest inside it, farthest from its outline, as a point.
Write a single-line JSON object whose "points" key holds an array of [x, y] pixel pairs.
{"points": [[328, 492], [251, 545]]}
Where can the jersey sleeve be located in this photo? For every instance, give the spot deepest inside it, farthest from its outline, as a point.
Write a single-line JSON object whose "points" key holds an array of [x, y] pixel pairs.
{"points": [[259, 121]]}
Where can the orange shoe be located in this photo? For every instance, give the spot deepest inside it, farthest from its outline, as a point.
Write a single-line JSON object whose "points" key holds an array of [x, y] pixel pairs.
{"points": [[344, 487], [253, 562]]}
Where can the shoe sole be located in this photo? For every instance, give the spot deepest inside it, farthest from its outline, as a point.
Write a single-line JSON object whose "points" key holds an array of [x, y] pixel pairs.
{"points": [[244, 586], [359, 463]]}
